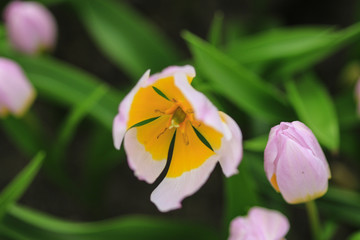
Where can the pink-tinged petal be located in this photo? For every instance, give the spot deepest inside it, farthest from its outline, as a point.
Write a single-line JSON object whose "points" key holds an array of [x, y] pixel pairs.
{"points": [[121, 119], [188, 70], [357, 95], [231, 149], [16, 92], [141, 161], [272, 225], [204, 110], [311, 142], [301, 176], [270, 153], [241, 228], [171, 191], [31, 26]]}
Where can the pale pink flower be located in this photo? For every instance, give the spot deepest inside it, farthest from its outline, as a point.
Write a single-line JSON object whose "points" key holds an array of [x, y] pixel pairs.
{"points": [[295, 164], [260, 224], [165, 108], [16, 92], [30, 26]]}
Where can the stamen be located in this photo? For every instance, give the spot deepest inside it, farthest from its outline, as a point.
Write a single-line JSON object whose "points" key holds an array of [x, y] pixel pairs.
{"points": [[161, 133], [159, 111], [185, 138]]}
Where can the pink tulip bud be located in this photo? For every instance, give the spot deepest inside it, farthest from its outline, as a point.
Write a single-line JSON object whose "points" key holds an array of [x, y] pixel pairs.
{"points": [[16, 93], [31, 27], [260, 224], [295, 163]]}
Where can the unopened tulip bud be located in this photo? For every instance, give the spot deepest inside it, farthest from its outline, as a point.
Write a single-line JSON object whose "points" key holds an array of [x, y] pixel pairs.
{"points": [[295, 163], [16, 92], [260, 224], [30, 26]]}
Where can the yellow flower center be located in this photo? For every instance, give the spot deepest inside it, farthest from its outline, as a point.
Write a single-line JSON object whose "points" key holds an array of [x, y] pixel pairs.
{"points": [[178, 117]]}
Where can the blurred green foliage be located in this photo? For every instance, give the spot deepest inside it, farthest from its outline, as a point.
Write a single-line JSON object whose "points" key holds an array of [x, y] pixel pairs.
{"points": [[268, 77]]}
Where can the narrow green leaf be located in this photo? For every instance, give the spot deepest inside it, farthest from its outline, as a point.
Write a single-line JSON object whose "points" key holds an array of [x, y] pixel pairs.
{"points": [[78, 113], [238, 84], [160, 93], [144, 122], [355, 236], [24, 132], [238, 202], [215, 32], [202, 139], [256, 144], [18, 186], [67, 131], [346, 108], [279, 44], [125, 37], [39, 226], [315, 108], [8, 234], [336, 41], [346, 214], [328, 230]]}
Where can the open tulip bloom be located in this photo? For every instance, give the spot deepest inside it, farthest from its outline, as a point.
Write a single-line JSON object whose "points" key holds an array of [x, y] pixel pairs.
{"points": [[295, 163], [260, 224], [16, 92], [164, 114]]}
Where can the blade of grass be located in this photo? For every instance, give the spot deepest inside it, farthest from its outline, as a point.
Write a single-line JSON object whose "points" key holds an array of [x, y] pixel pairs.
{"points": [[18, 186], [67, 131], [238, 84], [315, 108], [131, 41], [36, 225]]}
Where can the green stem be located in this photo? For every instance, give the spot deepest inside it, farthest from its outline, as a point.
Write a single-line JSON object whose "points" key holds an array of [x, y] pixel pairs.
{"points": [[313, 219]]}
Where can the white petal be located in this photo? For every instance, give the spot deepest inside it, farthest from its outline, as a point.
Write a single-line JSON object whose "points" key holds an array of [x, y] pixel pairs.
{"points": [[231, 151], [139, 160], [204, 110], [171, 191], [121, 119]]}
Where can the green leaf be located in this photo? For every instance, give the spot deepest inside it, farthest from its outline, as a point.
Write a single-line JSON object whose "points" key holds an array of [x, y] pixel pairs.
{"points": [[24, 132], [315, 108], [68, 85], [158, 91], [256, 144], [132, 42], [18, 186], [215, 32], [238, 84], [346, 107], [67, 131], [335, 42], [355, 236], [240, 192], [203, 139], [142, 123], [74, 118], [39, 226], [279, 44]]}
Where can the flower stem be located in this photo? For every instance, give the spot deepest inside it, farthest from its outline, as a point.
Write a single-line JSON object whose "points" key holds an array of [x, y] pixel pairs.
{"points": [[313, 219]]}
